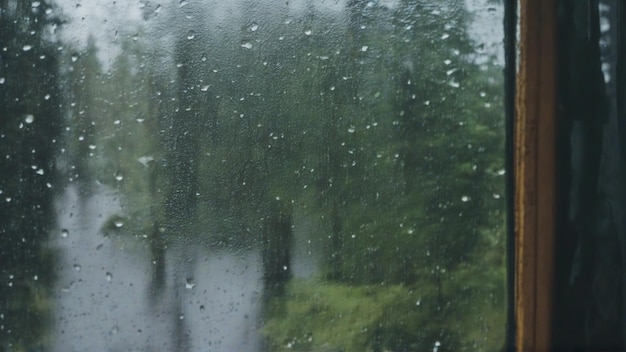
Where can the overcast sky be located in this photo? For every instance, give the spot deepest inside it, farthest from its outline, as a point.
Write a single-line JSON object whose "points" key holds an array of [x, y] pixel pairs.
{"points": [[108, 20]]}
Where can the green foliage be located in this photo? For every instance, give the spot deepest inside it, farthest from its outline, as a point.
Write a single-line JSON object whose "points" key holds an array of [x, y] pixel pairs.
{"points": [[29, 129], [380, 126]]}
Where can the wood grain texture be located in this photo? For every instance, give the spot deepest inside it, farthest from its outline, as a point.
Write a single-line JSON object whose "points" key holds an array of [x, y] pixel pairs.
{"points": [[535, 174]]}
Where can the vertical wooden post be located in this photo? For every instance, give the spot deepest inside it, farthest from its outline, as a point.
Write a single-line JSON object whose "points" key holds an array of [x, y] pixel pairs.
{"points": [[535, 174]]}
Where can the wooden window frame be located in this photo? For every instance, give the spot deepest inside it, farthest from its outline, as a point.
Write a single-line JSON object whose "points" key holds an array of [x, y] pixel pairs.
{"points": [[534, 166]]}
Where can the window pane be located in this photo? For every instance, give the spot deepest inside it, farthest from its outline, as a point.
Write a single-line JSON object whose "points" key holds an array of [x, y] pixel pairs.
{"points": [[252, 175]]}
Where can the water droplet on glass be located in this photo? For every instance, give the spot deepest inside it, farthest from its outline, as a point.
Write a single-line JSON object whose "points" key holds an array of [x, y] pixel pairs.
{"points": [[181, 317], [35, 4], [92, 147], [183, 3], [437, 345], [253, 27], [109, 276], [189, 284], [308, 32], [27, 47], [496, 196], [2, 80], [246, 45], [118, 223], [119, 177], [352, 129], [47, 97], [77, 267], [145, 160], [65, 233], [465, 199], [29, 118], [202, 308], [205, 88], [364, 48], [191, 35], [418, 302], [285, 267]]}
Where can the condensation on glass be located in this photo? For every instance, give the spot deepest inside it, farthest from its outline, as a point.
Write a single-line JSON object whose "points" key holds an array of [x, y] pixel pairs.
{"points": [[252, 175]]}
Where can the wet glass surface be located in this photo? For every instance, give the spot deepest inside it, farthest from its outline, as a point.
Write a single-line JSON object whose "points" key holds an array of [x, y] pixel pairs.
{"points": [[252, 176]]}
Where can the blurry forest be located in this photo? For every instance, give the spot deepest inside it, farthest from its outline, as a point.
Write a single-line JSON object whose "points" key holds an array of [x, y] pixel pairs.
{"points": [[374, 133]]}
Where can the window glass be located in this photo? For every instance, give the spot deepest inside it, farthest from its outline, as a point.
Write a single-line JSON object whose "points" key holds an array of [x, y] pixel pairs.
{"points": [[252, 175]]}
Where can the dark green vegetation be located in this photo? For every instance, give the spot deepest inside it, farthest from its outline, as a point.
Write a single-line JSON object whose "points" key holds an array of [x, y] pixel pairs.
{"points": [[29, 123], [373, 132]]}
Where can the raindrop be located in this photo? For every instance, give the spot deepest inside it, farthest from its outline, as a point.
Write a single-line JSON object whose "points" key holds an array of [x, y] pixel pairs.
{"points": [[118, 223], [119, 177], [27, 47], [74, 58], [202, 308], [145, 160], [77, 267], [253, 27], [285, 267], [109, 276], [35, 4], [466, 198], [181, 317], [191, 35], [92, 147], [352, 129], [2, 80], [364, 48], [419, 301], [437, 345], [39, 172], [47, 97], [496, 196], [189, 284], [183, 3], [65, 233], [29, 118], [246, 45], [308, 32], [205, 88]]}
